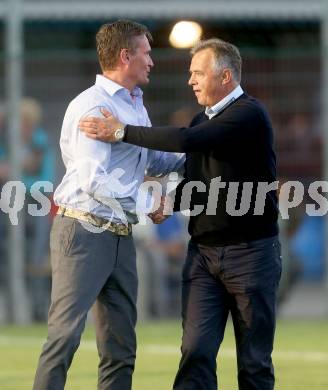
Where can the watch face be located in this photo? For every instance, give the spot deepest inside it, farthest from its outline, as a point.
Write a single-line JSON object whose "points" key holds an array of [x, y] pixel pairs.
{"points": [[119, 133]]}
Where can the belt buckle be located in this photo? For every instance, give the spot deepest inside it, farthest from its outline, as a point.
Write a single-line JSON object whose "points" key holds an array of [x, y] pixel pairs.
{"points": [[116, 228], [119, 229]]}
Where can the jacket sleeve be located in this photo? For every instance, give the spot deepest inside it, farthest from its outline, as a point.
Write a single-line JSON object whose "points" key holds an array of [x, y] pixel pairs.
{"points": [[232, 126]]}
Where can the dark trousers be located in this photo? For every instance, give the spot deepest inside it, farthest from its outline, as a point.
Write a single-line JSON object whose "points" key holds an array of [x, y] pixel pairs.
{"points": [[88, 269], [241, 279]]}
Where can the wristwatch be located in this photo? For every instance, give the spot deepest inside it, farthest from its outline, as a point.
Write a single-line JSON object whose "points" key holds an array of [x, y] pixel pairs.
{"points": [[119, 134]]}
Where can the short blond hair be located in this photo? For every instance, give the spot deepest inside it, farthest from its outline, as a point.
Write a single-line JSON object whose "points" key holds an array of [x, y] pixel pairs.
{"points": [[226, 55], [113, 37]]}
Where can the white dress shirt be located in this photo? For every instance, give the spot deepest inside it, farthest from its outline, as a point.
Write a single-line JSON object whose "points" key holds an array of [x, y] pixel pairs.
{"points": [[104, 178]]}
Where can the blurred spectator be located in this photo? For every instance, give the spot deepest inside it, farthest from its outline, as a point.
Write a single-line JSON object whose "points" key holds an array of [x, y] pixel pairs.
{"points": [[161, 251], [299, 148], [170, 242], [37, 162], [300, 158], [307, 244]]}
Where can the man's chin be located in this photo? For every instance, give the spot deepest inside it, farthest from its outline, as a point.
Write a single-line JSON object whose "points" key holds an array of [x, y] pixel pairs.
{"points": [[145, 81], [200, 101]]}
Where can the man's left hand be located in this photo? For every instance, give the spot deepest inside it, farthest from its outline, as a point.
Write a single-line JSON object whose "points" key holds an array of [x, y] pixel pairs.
{"points": [[101, 129]]}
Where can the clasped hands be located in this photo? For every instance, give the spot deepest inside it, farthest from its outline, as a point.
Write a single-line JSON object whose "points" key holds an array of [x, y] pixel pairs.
{"points": [[163, 212]]}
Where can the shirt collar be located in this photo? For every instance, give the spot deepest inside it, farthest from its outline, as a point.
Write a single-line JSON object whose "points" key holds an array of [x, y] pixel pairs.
{"points": [[111, 87], [233, 95]]}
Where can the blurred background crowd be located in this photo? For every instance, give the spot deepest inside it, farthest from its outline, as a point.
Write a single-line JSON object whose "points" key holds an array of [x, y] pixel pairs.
{"points": [[282, 67]]}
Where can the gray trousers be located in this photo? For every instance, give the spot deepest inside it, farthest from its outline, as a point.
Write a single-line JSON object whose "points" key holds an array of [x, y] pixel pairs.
{"points": [[88, 269]]}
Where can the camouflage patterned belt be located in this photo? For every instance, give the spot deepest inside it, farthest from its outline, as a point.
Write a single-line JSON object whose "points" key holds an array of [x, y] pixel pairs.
{"points": [[117, 228]]}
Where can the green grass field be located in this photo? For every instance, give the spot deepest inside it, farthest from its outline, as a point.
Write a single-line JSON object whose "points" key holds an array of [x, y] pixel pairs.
{"points": [[301, 357]]}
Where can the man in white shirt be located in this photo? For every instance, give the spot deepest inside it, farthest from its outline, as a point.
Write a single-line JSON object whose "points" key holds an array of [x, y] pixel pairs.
{"points": [[92, 251]]}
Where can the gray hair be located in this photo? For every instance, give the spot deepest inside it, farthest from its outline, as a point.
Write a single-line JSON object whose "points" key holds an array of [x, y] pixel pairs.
{"points": [[226, 55]]}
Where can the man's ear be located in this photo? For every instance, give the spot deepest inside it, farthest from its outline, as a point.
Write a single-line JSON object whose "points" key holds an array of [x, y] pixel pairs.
{"points": [[124, 56], [226, 76]]}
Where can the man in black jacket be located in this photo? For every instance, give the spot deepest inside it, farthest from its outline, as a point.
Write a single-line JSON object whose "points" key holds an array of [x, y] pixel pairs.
{"points": [[233, 262]]}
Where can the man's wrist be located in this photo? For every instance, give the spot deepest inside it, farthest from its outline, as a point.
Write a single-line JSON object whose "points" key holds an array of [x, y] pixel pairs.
{"points": [[119, 133]]}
